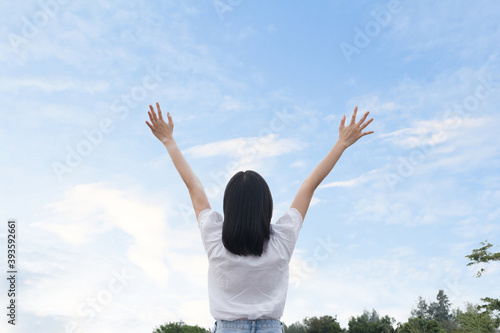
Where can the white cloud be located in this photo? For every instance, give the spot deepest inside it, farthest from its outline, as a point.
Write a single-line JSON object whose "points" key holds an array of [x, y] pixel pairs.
{"points": [[251, 153], [264, 146], [299, 164], [373, 104], [230, 104], [315, 201], [92, 209], [354, 182], [83, 241], [433, 132], [247, 153]]}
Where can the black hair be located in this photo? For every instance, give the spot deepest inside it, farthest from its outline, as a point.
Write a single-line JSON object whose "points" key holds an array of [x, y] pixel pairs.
{"points": [[248, 209]]}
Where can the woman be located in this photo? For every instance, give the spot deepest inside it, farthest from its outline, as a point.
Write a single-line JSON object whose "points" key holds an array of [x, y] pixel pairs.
{"points": [[248, 256]]}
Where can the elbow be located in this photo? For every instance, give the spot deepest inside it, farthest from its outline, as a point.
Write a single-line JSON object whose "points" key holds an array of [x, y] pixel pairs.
{"points": [[309, 185], [194, 185]]}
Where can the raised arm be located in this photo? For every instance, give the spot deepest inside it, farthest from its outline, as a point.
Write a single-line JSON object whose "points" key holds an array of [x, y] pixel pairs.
{"points": [[164, 132], [347, 136]]}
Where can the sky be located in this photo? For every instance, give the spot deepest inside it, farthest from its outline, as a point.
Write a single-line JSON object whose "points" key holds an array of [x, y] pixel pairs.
{"points": [[106, 238]]}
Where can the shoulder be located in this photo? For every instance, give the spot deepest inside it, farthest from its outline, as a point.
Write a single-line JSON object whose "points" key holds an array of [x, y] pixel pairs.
{"points": [[285, 233], [291, 217], [288, 225], [209, 214], [210, 225], [209, 217]]}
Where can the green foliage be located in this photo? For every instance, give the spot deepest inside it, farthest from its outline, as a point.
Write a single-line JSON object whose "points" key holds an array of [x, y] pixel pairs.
{"points": [[296, 327], [439, 311], [325, 324], [179, 328], [474, 321], [492, 305], [482, 255], [421, 325], [371, 323], [422, 310]]}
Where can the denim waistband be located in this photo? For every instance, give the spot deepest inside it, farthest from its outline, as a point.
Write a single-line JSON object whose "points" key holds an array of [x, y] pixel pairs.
{"points": [[248, 324]]}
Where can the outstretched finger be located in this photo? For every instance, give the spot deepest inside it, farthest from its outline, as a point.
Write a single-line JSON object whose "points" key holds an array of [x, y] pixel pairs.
{"points": [[353, 118], [342, 122], [159, 111], [151, 117], [366, 124], [153, 113], [366, 133], [147, 123], [170, 121], [363, 118]]}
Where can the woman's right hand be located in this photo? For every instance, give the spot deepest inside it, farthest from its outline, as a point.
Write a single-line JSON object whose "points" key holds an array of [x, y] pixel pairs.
{"points": [[160, 128], [350, 134]]}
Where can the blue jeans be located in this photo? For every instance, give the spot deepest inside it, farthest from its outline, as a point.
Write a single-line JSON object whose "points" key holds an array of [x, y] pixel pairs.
{"points": [[249, 326]]}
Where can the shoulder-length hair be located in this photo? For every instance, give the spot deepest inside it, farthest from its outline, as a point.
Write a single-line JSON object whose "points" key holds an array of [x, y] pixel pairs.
{"points": [[248, 209]]}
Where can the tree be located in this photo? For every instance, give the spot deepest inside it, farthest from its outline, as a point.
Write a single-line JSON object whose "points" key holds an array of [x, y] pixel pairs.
{"points": [[179, 327], [482, 255], [325, 324], [422, 310], [296, 327], [371, 323], [474, 321], [421, 325], [439, 311]]}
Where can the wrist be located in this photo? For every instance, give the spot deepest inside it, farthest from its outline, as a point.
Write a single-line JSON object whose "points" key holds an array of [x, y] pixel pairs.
{"points": [[167, 141], [341, 145]]}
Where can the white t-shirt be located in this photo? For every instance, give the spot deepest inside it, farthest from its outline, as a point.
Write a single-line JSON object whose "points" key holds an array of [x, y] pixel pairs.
{"points": [[249, 287]]}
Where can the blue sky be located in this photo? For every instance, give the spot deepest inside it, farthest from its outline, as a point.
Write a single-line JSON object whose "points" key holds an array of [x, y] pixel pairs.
{"points": [[107, 240]]}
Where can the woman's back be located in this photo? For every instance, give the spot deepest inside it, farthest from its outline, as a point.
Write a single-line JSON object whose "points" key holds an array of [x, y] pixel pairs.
{"points": [[249, 287]]}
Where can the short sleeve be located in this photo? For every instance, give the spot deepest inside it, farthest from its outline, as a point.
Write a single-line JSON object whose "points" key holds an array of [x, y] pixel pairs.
{"points": [[210, 224], [291, 217], [204, 216], [286, 231]]}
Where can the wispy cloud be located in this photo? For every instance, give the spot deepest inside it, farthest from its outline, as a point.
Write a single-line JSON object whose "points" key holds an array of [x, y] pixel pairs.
{"points": [[374, 104], [354, 182], [259, 147], [433, 132]]}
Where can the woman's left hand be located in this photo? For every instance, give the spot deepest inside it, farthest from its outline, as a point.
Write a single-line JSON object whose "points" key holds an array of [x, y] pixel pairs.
{"points": [[161, 129]]}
